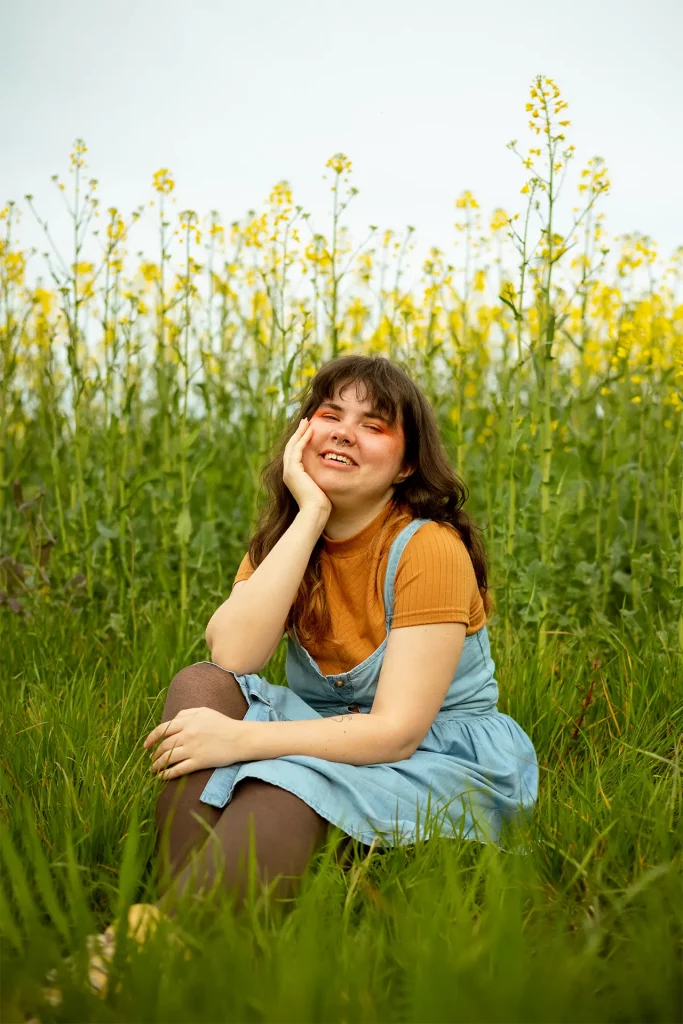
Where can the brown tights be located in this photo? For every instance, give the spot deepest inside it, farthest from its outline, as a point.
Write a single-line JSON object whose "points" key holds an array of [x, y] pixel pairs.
{"points": [[286, 830]]}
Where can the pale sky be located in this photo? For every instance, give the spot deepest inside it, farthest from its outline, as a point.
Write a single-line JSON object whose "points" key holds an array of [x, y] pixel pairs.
{"points": [[422, 95]]}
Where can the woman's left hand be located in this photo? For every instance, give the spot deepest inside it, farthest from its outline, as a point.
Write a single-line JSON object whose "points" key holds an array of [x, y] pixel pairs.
{"points": [[196, 738]]}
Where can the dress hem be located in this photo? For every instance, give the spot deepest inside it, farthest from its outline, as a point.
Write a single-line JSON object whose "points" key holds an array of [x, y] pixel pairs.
{"points": [[408, 834]]}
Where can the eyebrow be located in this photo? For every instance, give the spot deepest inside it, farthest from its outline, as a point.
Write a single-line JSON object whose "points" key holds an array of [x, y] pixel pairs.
{"points": [[373, 414]]}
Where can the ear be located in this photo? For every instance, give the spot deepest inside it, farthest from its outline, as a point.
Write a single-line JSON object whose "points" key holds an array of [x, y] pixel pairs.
{"points": [[404, 474]]}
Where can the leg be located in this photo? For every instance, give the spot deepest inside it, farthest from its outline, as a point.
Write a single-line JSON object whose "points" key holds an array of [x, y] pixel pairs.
{"points": [[286, 830], [199, 685], [286, 833]]}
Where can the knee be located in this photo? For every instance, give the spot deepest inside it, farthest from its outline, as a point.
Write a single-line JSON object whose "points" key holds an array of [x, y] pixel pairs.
{"points": [[204, 685], [194, 680]]}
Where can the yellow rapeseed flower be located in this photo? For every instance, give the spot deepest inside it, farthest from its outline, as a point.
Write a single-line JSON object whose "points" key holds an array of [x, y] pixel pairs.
{"points": [[339, 163], [163, 181], [43, 299], [15, 267], [466, 201], [150, 272], [77, 155], [499, 219]]}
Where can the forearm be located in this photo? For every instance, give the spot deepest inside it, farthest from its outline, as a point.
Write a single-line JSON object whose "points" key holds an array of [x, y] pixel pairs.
{"points": [[352, 739], [246, 627]]}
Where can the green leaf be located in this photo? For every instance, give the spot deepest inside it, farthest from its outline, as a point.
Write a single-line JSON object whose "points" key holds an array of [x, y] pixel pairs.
{"points": [[508, 303], [105, 531], [623, 580], [129, 872], [8, 927], [286, 376], [539, 573], [18, 882], [43, 875], [205, 540], [183, 527]]}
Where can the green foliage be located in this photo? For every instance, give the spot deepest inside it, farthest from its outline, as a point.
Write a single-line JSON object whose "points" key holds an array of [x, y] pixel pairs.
{"points": [[138, 406], [575, 922]]}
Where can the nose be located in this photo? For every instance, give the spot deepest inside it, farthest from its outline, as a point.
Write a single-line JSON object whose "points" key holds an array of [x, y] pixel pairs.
{"points": [[342, 435]]}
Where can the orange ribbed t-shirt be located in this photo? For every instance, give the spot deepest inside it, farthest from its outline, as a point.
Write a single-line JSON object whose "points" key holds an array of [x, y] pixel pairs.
{"points": [[435, 582]]}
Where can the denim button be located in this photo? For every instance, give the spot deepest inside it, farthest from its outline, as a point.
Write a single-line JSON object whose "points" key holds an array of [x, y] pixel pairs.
{"points": [[339, 682]]}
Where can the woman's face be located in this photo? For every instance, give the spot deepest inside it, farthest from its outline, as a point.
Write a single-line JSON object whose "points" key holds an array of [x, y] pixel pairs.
{"points": [[354, 429]]}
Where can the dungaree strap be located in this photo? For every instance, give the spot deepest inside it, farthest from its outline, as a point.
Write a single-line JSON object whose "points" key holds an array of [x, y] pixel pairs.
{"points": [[392, 564]]}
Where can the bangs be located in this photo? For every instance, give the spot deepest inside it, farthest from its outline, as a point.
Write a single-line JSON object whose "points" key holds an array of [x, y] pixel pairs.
{"points": [[372, 383]]}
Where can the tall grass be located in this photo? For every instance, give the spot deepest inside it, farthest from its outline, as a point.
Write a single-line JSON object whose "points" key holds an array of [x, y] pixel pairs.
{"points": [[138, 404]]}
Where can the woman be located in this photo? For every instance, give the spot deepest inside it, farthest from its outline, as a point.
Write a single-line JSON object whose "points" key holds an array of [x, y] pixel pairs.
{"points": [[388, 726]]}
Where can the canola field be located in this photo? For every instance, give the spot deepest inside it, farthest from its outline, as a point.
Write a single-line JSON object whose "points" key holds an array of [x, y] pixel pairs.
{"points": [[139, 398]]}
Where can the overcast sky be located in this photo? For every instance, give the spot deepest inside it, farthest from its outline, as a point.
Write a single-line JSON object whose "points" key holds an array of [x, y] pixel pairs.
{"points": [[422, 95]]}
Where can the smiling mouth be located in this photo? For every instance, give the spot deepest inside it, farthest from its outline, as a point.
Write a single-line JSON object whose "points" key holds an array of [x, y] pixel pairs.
{"points": [[338, 462]]}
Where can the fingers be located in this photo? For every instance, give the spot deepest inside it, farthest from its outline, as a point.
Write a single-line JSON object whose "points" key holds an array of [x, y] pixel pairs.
{"points": [[169, 728], [294, 450], [167, 757], [162, 730], [183, 768], [303, 441], [168, 744], [296, 435], [301, 435]]}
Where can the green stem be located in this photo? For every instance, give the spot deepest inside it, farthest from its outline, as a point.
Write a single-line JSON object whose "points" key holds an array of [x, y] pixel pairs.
{"points": [[680, 563], [636, 512]]}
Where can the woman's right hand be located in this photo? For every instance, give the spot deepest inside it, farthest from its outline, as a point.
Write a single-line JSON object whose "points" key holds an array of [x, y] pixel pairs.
{"points": [[303, 487]]}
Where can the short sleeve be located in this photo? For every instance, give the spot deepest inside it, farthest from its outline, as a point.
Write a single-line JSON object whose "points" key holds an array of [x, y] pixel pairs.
{"points": [[435, 579], [245, 570]]}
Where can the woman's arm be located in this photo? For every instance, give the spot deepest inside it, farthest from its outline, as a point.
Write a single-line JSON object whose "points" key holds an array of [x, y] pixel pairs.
{"points": [[245, 630], [419, 664], [243, 633]]}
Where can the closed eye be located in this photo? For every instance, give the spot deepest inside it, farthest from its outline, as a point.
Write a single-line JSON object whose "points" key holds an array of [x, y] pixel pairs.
{"points": [[329, 416]]}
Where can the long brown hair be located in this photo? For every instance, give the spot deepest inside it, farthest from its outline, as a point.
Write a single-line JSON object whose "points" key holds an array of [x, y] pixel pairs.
{"points": [[432, 491]]}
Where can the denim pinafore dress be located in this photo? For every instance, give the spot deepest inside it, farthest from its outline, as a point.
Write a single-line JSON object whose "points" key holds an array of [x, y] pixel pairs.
{"points": [[475, 768]]}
